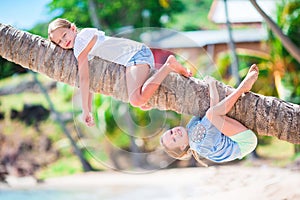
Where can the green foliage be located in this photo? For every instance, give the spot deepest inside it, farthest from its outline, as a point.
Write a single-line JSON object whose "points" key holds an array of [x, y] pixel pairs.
{"points": [[296, 156], [280, 61], [8, 69], [195, 16], [40, 29], [118, 13], [246, 59], [65, 90], [288, 19], [264, 140], [66, 166]]}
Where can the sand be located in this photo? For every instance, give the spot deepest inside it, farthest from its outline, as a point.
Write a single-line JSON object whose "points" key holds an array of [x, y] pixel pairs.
{"points": [[221, 182], [217, 182]]}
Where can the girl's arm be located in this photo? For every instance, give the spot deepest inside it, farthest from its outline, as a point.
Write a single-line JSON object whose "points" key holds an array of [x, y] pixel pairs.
{"points": [[84, 82], [90, 101]]}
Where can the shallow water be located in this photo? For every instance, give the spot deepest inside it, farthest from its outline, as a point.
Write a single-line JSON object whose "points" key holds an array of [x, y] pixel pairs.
{"points": [[53, 195], [113, 193]]}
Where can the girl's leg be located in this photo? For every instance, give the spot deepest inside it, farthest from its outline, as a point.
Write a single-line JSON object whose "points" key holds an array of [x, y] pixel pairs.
{"points": [[217, 112], [226, 125], [223, 107], [141, 87]]}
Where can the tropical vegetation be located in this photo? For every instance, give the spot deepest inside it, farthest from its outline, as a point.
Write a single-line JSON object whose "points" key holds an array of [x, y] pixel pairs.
{"points": [[122, 129]]}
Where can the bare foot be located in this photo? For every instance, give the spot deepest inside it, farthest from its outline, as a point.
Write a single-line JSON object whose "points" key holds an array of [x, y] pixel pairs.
{"points": [[175, 66], [250, 79]]}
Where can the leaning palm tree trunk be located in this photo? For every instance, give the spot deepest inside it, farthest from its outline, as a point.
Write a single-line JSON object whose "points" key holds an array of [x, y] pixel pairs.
{"points": [[264, 115]]}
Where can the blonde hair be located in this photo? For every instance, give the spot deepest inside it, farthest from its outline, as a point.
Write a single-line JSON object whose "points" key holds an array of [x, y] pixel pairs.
{"points": [[58, 23], [179, 154]]}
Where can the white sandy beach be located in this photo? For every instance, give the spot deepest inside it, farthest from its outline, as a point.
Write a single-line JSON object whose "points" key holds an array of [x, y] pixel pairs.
{"points": [[217, 182], [235, 182]]}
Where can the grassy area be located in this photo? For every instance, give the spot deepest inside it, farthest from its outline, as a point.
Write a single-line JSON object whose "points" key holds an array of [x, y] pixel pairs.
{"points": [[278, 152], [17, 101], [62, 167]]}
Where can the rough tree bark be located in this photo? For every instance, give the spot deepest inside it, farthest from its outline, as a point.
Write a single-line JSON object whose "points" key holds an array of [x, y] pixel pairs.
{"points": [[264, 115]]}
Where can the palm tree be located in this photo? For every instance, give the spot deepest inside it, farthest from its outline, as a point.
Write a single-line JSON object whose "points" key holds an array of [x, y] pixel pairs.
{"points": [[234, 57], [265, 115]]}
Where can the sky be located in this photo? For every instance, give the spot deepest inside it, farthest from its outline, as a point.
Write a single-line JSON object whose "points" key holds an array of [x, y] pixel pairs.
{"points": [[24, 14]]}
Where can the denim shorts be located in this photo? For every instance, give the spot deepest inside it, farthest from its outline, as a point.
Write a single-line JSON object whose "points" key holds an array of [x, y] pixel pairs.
{"points": [[143, 56]]}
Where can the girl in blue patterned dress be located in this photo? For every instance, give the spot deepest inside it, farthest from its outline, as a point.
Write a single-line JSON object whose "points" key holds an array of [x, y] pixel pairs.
{"points": [[216, 136]]}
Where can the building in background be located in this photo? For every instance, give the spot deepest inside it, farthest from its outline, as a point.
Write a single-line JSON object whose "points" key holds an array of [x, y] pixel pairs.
{"points": [[203, 47]]}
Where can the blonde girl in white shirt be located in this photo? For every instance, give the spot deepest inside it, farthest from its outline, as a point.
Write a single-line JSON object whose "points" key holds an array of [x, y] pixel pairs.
{"points": [[137, 58]]}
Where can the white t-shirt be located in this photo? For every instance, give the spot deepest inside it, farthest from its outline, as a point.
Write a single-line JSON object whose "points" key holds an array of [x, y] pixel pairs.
{"points": [[117, 50]]}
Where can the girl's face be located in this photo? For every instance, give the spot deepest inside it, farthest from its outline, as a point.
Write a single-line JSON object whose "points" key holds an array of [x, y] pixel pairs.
{"points": [[64, 37], [175, 137]]}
